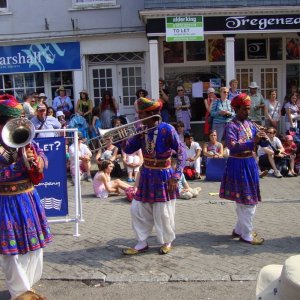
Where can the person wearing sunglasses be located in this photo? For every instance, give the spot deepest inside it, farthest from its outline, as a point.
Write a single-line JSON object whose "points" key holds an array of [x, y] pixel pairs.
{"points": [[271, 155], [182, 108], [221, 112]]}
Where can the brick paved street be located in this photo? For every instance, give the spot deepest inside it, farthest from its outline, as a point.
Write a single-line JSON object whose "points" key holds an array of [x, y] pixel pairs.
{"points": [[203, 249]]}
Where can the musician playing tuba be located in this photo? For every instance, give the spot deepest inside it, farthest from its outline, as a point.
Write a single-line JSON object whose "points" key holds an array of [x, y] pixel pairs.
{"points": [[24, 228], [154, 202]]}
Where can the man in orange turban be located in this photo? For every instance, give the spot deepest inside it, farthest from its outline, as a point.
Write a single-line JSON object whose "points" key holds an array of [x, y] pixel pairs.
{"points": [[240, 182]]}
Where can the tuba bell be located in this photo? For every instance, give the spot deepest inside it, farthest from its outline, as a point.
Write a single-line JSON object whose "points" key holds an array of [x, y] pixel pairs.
{"points": [[18, 133]]}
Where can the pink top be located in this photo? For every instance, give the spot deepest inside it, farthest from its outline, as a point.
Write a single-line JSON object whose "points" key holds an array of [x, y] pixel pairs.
{"points": [[98, 186]]}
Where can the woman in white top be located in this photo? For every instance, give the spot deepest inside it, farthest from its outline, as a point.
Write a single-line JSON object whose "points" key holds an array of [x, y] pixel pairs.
{"points": [[292, 112], [272, 110], [27, 106]]}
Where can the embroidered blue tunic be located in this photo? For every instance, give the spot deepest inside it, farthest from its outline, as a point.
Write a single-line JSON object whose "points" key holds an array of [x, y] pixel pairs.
{"points": [[23, 223], [153, 180], [240, 182]]}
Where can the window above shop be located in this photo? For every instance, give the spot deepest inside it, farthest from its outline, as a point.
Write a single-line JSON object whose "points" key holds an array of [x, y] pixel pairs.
{"points": [[86, 4], [3, 5]]}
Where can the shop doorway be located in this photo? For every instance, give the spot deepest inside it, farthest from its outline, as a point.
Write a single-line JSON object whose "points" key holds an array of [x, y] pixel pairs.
{"points": [[267, 77], [121, 80]]}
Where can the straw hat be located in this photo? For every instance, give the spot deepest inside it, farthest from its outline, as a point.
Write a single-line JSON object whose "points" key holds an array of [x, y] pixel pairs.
{"points": [[210, 90], [61, 88], [84, 92], [280, 282]]}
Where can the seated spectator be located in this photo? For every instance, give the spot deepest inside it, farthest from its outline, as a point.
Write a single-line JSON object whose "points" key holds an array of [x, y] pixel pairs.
{"points": [[193, 152], [61, 118], [213, 148], [133, 162], [110, 152], [185, 191], [85, 156], [103, 185], [180, 130], [290, 149], [272, 153]]}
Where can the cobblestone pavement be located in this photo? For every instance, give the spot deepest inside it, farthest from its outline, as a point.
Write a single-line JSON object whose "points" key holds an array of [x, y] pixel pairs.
{"points": [[202, 251]]}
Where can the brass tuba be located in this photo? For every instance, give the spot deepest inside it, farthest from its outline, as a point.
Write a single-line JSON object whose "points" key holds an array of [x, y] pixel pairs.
{"points": [[120, 133], [18, 133]]}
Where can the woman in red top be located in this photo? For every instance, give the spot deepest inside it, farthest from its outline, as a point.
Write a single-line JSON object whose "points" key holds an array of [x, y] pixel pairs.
{"points": [[108, 109], [208, 101], [290, 149]]}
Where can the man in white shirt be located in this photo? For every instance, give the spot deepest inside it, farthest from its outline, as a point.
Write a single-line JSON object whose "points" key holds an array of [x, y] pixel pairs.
{"points": [[85, 156], [193, 152]]}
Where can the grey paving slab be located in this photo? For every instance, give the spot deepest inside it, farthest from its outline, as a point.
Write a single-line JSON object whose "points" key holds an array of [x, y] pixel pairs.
{"points": [[203, 250]]}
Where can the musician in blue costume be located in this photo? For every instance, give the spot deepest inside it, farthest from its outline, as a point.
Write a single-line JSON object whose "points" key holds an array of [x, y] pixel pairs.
{"points": [[240, 182], [23, 225], [154, 202]]}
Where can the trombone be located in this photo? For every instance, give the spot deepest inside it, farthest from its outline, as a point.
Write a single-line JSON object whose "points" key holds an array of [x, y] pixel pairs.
{"points": [[120, 133]]}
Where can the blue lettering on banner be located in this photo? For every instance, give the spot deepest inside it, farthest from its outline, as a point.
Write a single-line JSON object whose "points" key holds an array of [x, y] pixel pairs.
{"points": [[40, 57], [53, 188]]}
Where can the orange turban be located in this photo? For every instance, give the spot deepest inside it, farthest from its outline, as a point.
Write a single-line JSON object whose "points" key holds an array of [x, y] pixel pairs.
{"points": [[241, 100]]}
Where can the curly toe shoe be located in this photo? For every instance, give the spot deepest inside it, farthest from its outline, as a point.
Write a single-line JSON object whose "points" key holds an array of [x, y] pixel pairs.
{"points": [[164, 249], [256, 241], [133, 251]]}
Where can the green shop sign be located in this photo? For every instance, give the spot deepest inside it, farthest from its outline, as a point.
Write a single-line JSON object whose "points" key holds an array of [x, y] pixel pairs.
{"points": [[184, 28]]}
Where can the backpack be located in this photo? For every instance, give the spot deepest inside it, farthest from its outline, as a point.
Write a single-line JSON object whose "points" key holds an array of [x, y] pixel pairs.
{"points": [[189, 173]]}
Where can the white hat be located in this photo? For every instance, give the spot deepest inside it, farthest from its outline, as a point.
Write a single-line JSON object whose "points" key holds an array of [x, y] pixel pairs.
{"points": [[253, 85], [280, 282], [42, 95], [210, 90], [59, 114]]}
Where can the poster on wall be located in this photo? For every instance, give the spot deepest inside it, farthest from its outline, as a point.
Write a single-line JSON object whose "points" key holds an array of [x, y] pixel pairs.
{"points": [[292, 49], [184, 28], [216, 50], [257, 48]]}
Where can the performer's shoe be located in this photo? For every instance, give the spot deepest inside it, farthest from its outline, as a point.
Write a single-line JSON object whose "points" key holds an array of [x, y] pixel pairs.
{"points": [[235, 235], [133, 251], [164, 249], [256, 241]]}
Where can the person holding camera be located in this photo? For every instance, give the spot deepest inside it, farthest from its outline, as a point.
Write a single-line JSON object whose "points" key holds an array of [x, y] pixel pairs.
{"points": [[222, 113], [270, 156]]}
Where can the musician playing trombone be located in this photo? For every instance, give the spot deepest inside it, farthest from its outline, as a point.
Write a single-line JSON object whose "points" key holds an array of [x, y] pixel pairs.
{"points": [[154, 202], [24, 229], [240, 182]]}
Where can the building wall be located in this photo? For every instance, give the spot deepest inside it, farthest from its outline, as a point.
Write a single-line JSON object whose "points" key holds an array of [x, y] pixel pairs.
{"points": [[26, 19], [217, 3]]}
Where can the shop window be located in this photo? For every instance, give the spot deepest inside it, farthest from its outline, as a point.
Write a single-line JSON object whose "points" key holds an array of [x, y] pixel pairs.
{"points": [[292, 77], [64, 79], [173, 52], [276, 49], [239, 50], [3, 4], [21, 84], [195, 51], [257, 48], [216, 50], [292, 49]]}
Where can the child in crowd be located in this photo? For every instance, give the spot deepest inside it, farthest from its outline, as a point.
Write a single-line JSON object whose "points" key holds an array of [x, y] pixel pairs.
{"points": [[290, 149], [103, 185], [185, 191], [133, 162]]}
